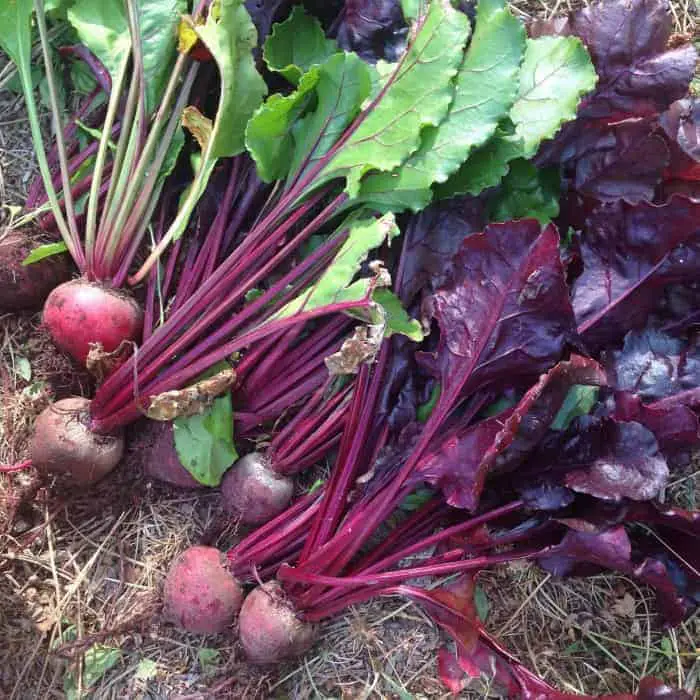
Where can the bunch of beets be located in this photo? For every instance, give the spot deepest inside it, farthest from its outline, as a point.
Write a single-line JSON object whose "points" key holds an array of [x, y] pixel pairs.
{"points": [[454, 257]]}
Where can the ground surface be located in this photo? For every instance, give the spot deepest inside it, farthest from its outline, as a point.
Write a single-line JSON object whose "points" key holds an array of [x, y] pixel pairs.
{"points": [[80, 573]]}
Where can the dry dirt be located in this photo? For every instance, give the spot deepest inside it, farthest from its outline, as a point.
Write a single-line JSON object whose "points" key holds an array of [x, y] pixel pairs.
{"points": [[80, 572]]}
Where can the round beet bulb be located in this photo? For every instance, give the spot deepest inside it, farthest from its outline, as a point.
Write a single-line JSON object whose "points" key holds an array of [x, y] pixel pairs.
{"points": [[25, 287], [64, 445], [253, 491], [78, 313], [201, 595], [161, 460], [269, 628]]}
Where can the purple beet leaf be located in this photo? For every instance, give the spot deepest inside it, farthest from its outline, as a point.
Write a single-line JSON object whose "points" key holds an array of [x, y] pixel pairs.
{"points": [[654, 365], [504, 315], [630, 254]]}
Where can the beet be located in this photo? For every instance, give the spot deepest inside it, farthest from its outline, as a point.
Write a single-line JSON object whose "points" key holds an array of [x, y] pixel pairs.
{"points": [[201, 595], [161, 461], [270, 629], [78, 313], [253, 491], [25, 287], [64, 445]]}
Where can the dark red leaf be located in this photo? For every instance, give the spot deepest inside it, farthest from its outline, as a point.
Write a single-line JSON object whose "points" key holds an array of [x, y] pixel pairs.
{"points": [[505, 313], [674, 426], [630, 253], [432, 239], [627, 464], [638, 74], [455, 465], [681, 123], [625, 160], [582, 553], [654, 364], [373, 29]]}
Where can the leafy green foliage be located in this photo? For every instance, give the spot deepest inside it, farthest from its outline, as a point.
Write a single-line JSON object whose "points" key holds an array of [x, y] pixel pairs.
{"points": [[527, 192], [419, 88], [269, 136], [297, 44], [45, 251], [556, 73], [395, 316], [336, 283], [204, 442], [230, 36], [97, 661], [425, 409], [578, 402], [485, 89]]}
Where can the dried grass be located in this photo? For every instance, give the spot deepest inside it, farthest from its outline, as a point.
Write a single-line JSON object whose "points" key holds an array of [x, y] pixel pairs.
{"points": [[84, 569]]}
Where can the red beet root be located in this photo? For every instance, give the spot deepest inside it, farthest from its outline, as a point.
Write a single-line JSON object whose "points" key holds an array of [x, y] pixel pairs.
{"points": [[200, 593], [79, 313], [254, 492], [269, 629], [27, 286], [161, 461], [64, 445]]}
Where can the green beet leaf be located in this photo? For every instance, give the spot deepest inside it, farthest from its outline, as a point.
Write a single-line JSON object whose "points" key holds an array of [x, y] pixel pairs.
{"points": [[204, 442], [230, 36], [579, 401], [297, 44], [344, 83], [268, 135], [45, 251], [527, 193], [336, 283], [485, 89], [396, 317], [416, 92], [556, 73], [103, 28]]}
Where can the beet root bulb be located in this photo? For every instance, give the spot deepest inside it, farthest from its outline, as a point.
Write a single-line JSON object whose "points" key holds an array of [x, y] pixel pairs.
{"points": [[161, 459], [25, 287], [201, 594], [270, 630], [63, 444], [254, 492], [79, 313]]}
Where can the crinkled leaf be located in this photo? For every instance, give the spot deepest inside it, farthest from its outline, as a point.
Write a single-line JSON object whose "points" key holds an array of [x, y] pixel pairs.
{"points": [[630, 254], [485, 89], [556, 73], [297, 44], [415, 93], [373, 29], [681, 124], [336, 283], [638, 73], [653, 364], [487, 166], [527, 192], [505, 313], [625, 160], [204, 442], [46, 250]]}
